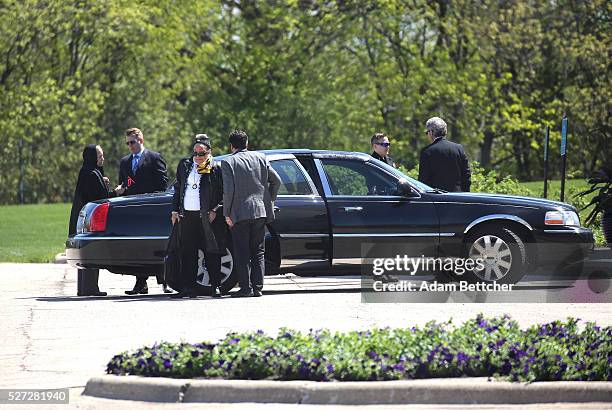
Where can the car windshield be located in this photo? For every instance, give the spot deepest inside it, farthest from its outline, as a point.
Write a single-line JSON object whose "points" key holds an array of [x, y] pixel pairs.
{"points": [[419, 185]]}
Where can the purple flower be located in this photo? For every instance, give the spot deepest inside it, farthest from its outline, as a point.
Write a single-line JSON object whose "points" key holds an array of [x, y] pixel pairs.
{"points": [[462, 357], [195, 353], [500, 342], [167, 364], [373, 355], [482, 323], [399, 367], [260, 332], [330, 368], [234, 341]]}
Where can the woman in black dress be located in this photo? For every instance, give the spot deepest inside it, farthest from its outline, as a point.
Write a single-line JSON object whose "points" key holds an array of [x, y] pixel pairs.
{"points": [[91, 186]]}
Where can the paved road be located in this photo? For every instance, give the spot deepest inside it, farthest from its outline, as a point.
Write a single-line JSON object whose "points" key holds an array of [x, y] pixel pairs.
{"points": [[51, 338]]}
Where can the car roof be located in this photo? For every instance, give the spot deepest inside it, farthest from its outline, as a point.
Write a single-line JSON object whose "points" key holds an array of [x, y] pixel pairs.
{"points": [[316, 153]]}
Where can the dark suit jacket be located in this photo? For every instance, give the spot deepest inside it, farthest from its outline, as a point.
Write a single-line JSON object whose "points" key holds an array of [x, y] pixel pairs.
{"points": [[150, 175], [444, 165], [387, 160], [214, 233]]}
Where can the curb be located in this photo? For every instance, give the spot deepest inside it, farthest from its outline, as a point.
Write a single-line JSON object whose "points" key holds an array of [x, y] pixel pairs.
{"points": [[60, 258], [426, 391]]}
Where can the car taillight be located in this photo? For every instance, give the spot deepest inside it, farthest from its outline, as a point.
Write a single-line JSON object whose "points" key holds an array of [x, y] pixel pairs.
{"points": [[97, 221]]}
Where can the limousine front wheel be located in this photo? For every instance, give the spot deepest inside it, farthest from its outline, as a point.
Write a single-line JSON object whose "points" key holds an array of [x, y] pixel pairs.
{"points": [[499, 255]]}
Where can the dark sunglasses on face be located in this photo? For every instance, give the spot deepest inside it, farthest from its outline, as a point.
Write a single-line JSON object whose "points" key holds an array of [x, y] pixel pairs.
{"points": [[132, 142], [200, 154], [383, 144]]}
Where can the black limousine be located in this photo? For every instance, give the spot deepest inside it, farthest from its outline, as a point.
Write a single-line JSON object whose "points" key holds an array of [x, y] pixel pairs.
{"points": [[330, 205]]}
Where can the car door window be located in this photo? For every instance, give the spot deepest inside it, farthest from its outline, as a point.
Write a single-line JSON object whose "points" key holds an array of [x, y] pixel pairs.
{"points": [[293, 180], [357, 178]]}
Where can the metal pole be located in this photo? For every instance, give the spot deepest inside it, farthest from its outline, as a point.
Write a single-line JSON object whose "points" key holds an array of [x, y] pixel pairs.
{"points": [[21, 173], [547, 138], [563, 156]]}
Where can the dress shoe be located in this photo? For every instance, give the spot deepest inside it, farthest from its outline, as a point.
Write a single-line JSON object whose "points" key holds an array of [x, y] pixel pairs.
{"points": [[242, 294], [141, 290], [216, 292], [183, 294], [166, 289], [140, 287], [97, 293], [257, 293]]}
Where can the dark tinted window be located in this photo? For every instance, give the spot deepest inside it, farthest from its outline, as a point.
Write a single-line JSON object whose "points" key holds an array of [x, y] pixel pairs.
{"points": [[357, 178], [293, 180]]}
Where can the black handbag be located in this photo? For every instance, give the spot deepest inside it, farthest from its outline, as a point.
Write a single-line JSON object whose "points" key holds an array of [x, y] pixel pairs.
{"points": [[172, 260]]}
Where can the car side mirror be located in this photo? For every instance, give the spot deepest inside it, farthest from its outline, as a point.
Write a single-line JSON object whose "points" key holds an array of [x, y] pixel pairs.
{"points": [[403, 188]]}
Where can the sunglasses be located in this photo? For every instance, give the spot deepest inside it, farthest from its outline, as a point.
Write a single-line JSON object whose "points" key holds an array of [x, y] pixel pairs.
{"points": [[383, 144], [132, 142], [201, 153]]}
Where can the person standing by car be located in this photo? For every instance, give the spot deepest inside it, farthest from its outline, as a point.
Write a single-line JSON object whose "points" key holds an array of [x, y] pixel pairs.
{"points": [[196, 207], [91, 185], [250, 186], [443, 163], [142, 171], [380, 146]]}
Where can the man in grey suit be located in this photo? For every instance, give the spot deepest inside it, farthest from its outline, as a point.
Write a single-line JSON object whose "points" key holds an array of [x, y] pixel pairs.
{"points": [[250, 186]]}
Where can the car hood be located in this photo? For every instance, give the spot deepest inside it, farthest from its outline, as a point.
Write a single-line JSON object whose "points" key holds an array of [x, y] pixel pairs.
{"points": [[503, 200]]}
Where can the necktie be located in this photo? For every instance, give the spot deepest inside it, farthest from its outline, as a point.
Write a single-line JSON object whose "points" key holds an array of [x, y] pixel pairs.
{"points": [[135, 163]]}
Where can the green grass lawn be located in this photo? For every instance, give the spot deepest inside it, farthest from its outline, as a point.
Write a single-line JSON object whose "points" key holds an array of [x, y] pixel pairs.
{"points": [[33, 233], [554, 188]]}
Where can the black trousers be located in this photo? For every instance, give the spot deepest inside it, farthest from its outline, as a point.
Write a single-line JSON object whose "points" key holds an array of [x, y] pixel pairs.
{"points": [[192, 239], [87, 281], [248, 238]]}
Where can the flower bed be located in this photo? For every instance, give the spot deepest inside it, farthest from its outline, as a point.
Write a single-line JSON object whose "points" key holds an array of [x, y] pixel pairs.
{"points": [[493, 347]]}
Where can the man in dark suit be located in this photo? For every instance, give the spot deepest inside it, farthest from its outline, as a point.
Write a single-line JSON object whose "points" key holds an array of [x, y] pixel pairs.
{"points": [[250, 186], [142, 171], [380, 148], [443, 163]]}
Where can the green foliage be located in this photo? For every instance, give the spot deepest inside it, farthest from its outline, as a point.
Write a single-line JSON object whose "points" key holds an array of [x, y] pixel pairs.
{"points": [[298, 74], [491, 347]]}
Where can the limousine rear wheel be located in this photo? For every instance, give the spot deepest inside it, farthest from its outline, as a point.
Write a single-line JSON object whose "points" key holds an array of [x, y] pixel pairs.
{"points": [[228, 281], [499, 253]]}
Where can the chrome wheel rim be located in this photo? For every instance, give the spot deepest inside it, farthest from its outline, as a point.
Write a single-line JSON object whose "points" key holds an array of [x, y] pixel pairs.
{"points": [[227, 264], [496, 256]]}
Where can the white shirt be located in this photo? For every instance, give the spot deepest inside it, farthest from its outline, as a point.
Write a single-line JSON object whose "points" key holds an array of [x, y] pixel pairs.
{"points": [[191, 201]]}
